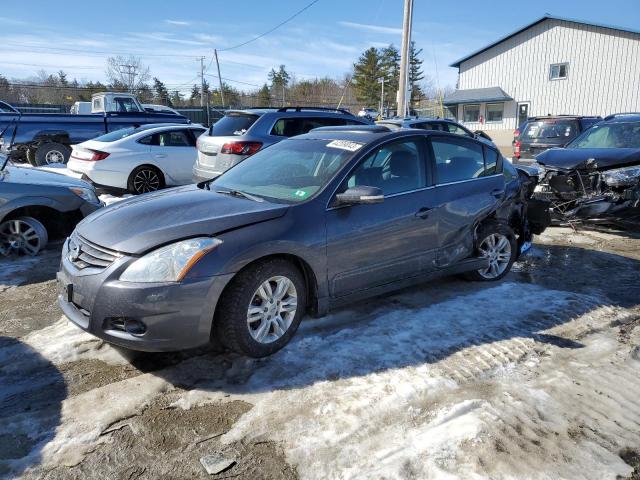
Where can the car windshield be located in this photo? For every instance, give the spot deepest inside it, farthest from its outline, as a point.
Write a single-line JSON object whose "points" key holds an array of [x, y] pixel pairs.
{"points": [[233, 124], [612, 135], [290, 171], [117, 134], [550, 129]]}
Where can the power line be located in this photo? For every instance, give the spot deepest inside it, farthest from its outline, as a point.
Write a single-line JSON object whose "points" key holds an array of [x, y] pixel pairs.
{"points": [[102, 52], [272, 29]]}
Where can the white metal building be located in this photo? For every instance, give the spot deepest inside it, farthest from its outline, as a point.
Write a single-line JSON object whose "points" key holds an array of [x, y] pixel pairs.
{"points": [[551, 66]]}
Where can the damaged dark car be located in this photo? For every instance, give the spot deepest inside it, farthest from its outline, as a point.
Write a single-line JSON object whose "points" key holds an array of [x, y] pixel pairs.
{"points": [[596, 178]]}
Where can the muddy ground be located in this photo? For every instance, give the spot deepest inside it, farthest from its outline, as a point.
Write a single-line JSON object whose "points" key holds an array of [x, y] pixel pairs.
{"points": [[535, 377]]}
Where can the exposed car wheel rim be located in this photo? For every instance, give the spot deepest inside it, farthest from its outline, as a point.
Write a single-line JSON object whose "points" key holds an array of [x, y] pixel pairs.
{"points": [[18, 236], [146, 181], [272, 309], [54, 156], [497, 248]]}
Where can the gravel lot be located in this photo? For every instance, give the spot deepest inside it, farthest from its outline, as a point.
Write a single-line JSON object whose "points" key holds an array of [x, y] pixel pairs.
{"points": [[533, 377]]}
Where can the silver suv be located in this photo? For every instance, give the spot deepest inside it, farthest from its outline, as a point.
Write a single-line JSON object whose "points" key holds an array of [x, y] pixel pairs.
{"points": [[241, 133]]}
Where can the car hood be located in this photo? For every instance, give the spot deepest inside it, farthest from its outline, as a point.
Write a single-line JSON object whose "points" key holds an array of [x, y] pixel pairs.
{"points": [[574, 158], [141, 223], [34, 176]]}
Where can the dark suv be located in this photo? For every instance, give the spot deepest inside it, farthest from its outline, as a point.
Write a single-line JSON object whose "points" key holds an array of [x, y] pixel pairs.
{"points": [[538, 134], [306, 225], [241, 133]]}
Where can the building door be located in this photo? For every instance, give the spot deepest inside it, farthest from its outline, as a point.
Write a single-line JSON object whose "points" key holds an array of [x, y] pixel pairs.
{"points": [[523, 113]]}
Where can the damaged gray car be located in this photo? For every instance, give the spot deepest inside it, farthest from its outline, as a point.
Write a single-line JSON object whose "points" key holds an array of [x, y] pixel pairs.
{"points": [[596, 178]]}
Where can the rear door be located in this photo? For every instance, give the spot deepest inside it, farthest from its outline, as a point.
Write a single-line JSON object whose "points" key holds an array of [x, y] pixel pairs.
{"points": [[372, 245], [174, 151], [468, 189]]}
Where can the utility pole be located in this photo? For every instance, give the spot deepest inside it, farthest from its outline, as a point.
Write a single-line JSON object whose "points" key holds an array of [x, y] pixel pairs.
{"points": [[215, 52], [404, 58], [201, 81], [382, 99], [131, 75]]}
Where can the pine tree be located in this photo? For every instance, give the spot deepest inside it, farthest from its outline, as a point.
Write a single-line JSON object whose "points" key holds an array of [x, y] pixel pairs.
{"points": [[279, 82], [367, 72], [390, 65], [161, 92], [415, 74], [195, 95], [264, 96]]}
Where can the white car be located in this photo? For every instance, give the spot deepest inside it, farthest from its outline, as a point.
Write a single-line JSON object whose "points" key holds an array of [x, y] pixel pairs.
{"points": [[139, 159]]}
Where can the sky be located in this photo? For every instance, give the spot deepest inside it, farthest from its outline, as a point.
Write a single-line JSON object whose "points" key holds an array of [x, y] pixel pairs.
{"points": [[324, 40]]}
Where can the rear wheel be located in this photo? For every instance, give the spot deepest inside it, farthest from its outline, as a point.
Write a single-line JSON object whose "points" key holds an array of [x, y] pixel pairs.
{"points": [[145, 179], [261, 309], [51, 154], [497, 243], [23, 236]]}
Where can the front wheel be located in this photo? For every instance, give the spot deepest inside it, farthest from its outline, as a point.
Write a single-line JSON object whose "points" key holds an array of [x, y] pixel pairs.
{"points": [[23, 235], [497, 243], [261, 309]]}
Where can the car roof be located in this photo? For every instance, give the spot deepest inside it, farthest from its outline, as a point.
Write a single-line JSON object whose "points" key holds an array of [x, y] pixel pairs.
{"points": [[561, 117], [150, 126], [623, 117], [409, 120], [367, 133], [294, 112]]}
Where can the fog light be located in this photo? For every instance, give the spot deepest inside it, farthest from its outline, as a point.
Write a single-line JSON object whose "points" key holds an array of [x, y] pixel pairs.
{"points": [[134, 327]]}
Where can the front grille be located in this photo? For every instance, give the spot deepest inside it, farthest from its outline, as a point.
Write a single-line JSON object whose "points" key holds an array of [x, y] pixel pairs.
{"points": [[84, 254]]}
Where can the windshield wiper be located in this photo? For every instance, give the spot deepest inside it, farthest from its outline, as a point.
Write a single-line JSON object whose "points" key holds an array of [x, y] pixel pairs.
{"points": [[238, 193]]}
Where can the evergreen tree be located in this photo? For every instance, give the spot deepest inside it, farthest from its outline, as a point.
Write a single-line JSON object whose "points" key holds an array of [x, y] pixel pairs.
{"points": [[194, 97], [264, 96], [366, 75], [160, 91], [145, 94], [390, 65], [279, 82], [415, 74]]}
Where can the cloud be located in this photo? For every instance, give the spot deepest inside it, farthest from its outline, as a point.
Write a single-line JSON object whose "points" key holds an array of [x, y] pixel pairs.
{"points": [[372, 28], [180, 23]]}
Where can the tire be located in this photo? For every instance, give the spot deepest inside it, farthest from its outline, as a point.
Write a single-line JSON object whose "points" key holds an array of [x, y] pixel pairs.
{"points": [[23, 236], [51, 153], [145, 179], [500, 234], [243, 309], [30, 155]]}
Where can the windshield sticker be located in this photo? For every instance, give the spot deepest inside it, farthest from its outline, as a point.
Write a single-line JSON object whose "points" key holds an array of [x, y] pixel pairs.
{"points": [[300, 194], [345, 145]]}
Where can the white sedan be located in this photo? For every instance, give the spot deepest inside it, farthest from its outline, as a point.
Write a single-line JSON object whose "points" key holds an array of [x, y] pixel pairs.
{"points": [[139, 159]]}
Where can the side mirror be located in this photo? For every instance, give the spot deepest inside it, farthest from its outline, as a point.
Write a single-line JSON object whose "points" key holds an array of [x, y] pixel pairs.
{"points": [[360, 195]]}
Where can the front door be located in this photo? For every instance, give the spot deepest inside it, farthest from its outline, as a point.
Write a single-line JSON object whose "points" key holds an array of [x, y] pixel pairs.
{"points": [[372, 245], [523, 113]]}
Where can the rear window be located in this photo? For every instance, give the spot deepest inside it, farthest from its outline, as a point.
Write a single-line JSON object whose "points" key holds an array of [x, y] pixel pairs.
{"points": [[563, 129], [117, 134], [233, 124]]}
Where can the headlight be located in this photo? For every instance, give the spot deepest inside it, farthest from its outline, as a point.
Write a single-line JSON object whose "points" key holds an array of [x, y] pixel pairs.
{"points": [[85, 193], [170, 263], [622, 177]]}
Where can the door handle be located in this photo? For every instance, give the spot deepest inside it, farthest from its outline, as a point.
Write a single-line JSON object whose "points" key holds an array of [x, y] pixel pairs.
{"points": [[423, 212], [161, 155], [497, 192]]}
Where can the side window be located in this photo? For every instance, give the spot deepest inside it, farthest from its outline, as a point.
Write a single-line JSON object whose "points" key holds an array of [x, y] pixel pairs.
{"points": [[457, 159], [492, 165], [124, 104], [287, 127], [426, 126], [453, 128], [394, 168], [175, 138], [309, 124], [148, 140]]}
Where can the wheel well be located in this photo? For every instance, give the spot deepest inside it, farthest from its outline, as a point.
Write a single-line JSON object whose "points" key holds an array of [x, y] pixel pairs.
{"points": [[147, 165], [58, 224], [310, 279]]}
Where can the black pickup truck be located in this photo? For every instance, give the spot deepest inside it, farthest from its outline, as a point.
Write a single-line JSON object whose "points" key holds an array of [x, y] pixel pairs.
{"points": [[45, 138]]}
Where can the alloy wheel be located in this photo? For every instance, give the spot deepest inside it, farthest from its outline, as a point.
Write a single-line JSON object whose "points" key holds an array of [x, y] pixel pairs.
{"points": [[146, 180], [497, 248], [272, 309], [53, 157], [19, 236]]}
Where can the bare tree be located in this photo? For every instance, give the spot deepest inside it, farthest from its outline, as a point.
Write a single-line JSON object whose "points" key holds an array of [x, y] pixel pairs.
{"points": [[127, 72]]}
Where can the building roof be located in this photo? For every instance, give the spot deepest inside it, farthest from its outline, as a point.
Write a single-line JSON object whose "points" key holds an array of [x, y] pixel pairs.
{"points": [[476, 95], [541, 19]]}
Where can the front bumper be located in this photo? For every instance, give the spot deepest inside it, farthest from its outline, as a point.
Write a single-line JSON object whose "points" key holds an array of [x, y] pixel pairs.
{"points": [[176, 316]]}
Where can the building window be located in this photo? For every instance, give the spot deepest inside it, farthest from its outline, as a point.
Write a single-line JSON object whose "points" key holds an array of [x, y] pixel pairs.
{"points": [[494, 112], [558, 71], [471, 113]]}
